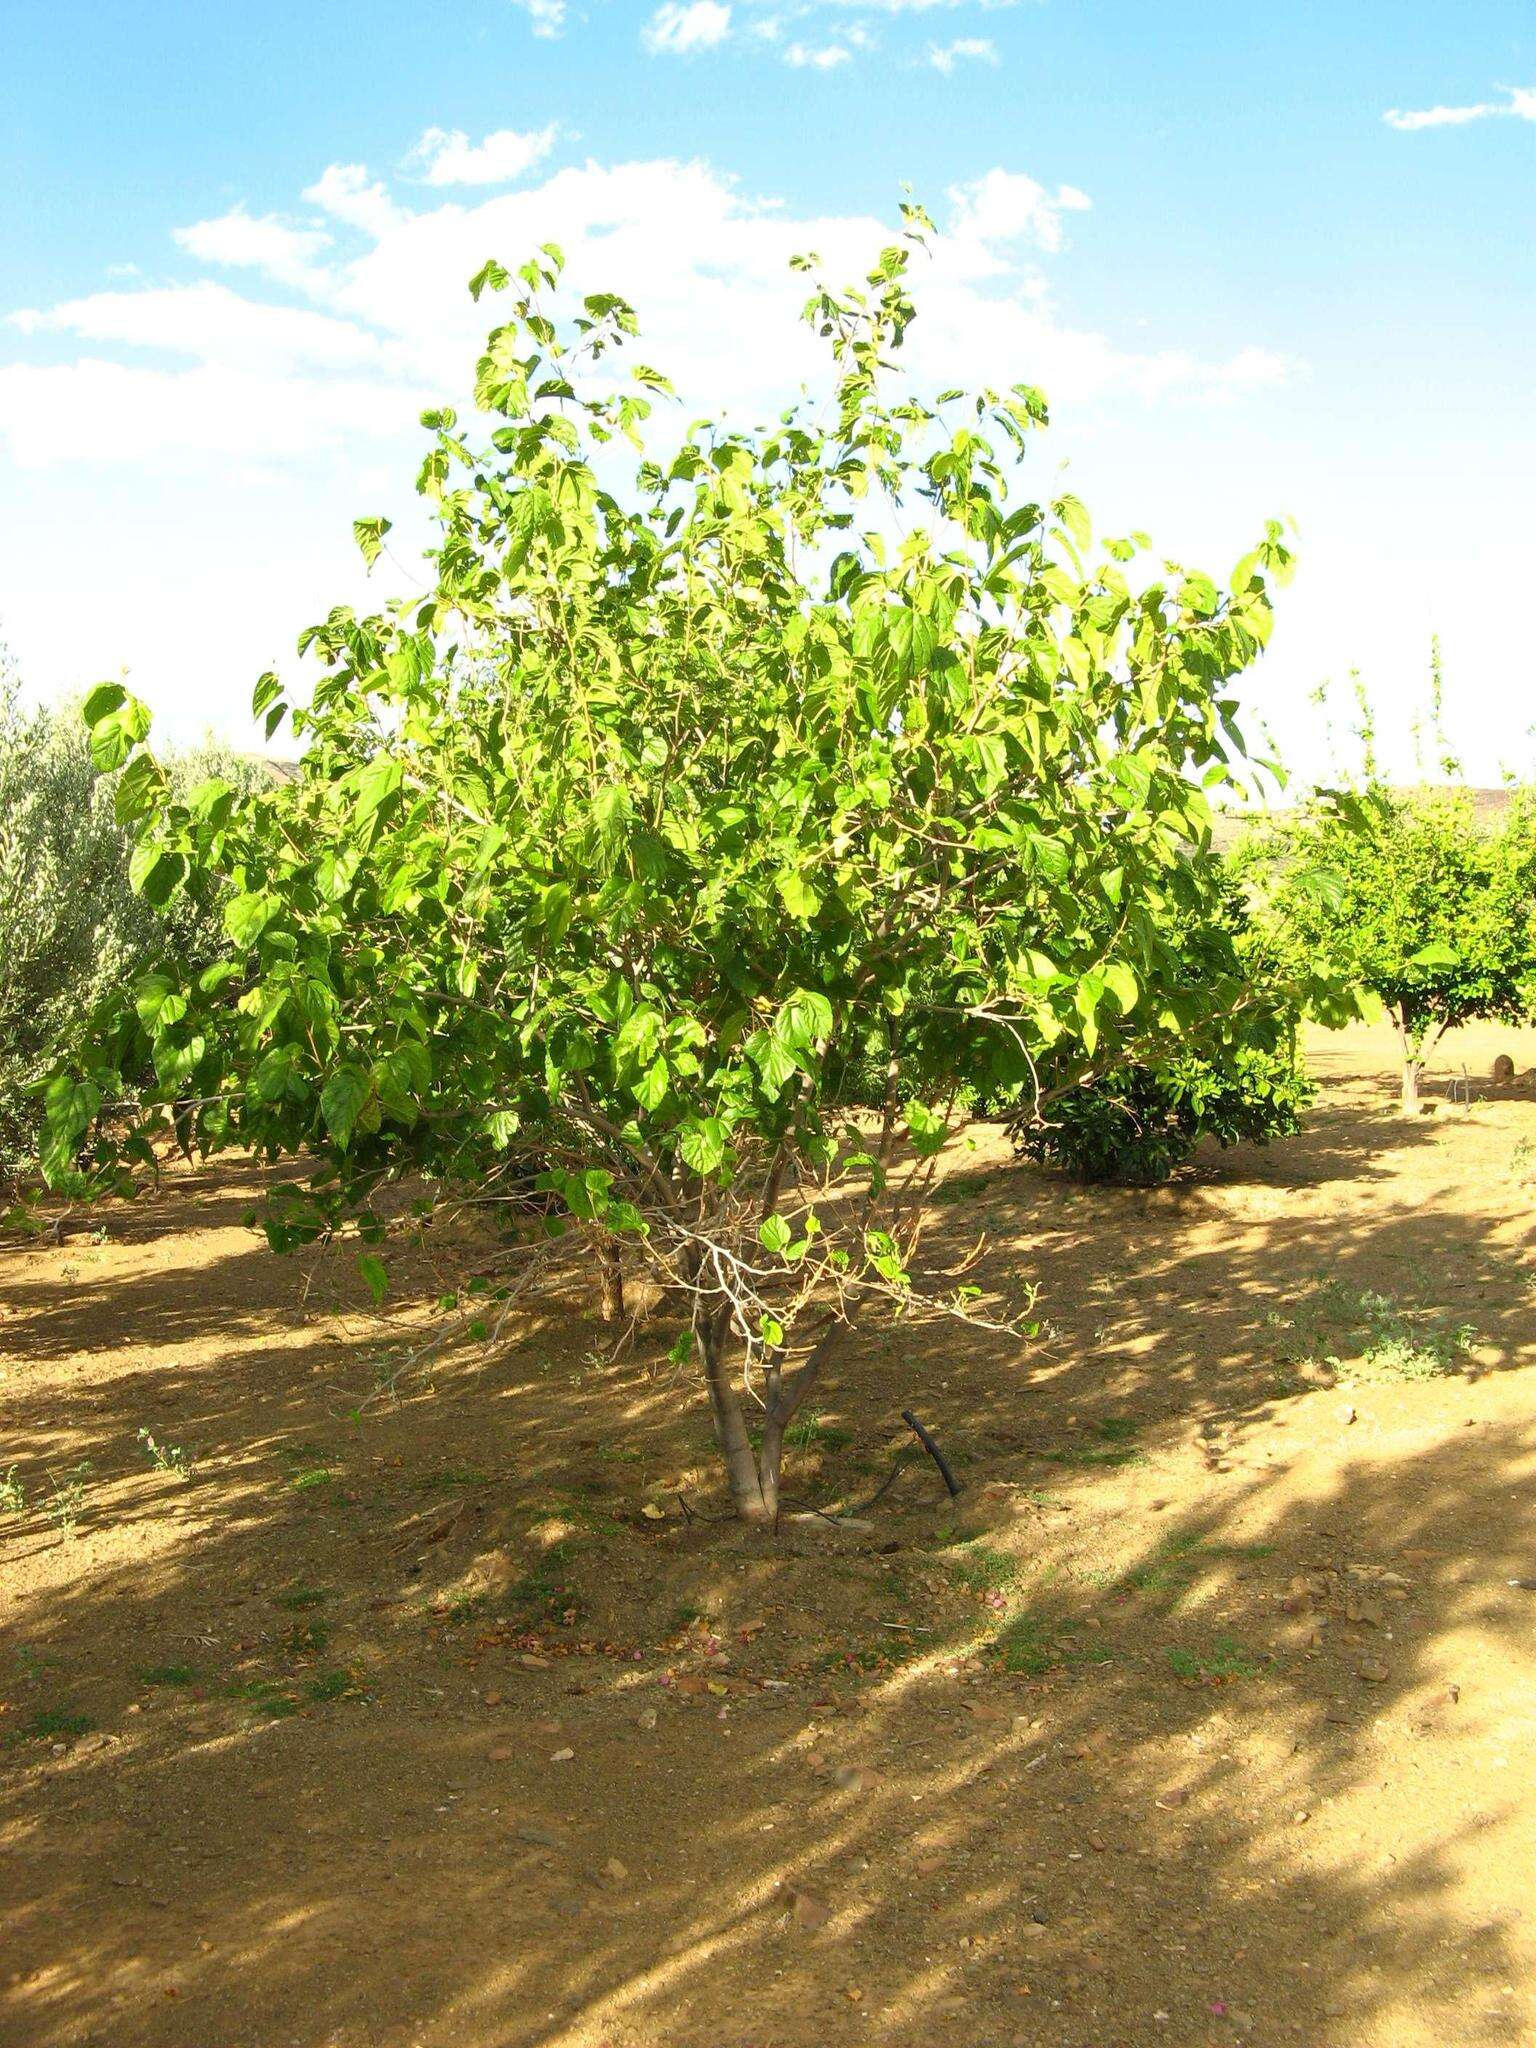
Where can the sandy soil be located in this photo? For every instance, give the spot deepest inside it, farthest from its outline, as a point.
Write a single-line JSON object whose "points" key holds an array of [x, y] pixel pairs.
{"points": [[430, 1718]]}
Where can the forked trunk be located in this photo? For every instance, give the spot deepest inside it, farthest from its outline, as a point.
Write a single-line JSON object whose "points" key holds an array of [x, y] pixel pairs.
{"points": [[754, 1472]]}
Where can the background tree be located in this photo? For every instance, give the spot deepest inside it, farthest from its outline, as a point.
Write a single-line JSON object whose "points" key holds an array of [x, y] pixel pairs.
{"points": [[1413, 896], [664, 808], [72, 926]]}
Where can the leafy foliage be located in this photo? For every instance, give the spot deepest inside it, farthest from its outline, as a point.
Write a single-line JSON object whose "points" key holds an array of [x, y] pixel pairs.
{"points": [[1137, 1123], [1407, 894], [75, 926], [670, 803]]}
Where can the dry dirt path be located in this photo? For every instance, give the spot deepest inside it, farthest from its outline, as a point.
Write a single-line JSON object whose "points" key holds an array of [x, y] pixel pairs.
{"points": [[401, 1721]]}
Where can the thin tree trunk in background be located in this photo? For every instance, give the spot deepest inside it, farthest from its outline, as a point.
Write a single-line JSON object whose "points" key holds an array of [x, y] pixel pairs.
{"points": [[1411, 1040], [610, 1281]]}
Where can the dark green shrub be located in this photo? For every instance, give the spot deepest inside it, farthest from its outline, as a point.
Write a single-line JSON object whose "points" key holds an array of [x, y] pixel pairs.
{"points": [[1137, 1125]]}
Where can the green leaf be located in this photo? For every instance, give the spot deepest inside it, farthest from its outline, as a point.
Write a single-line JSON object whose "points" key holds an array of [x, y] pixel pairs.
{"points": [[799, 898], [375, 1275], [341, 1102], [774, 1235], [246, 917], [703, 1145], [369, 535], [1122, 984], [927, 1128]]}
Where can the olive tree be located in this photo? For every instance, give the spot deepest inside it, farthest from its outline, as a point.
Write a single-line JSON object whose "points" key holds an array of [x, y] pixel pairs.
{"points": [[71, 925], [673, 800]]}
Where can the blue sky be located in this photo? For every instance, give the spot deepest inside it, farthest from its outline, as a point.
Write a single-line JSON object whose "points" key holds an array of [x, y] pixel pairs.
{"points": [[232, 244]]}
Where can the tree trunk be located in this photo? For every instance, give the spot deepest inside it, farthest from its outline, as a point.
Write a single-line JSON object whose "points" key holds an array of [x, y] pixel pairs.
{"points": [[712, 1333], [754, 1476], [1413, 1070], [610, 1281]]}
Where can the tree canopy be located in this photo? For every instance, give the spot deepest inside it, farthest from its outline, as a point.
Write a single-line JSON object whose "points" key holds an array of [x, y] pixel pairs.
{"points": [[675, 798], [1410, 895]]}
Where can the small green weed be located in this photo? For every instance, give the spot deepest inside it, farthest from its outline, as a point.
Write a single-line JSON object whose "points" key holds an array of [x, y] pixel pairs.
{"points": [[1026, 1644], [1383, 1338], [306, 1638], [13, 1495], [63, 1504], [167, 1674], [1226, 1658], [332, 1685], [814, 1432], [167, 1457], [52, 1724], [298, 1599], [450, 1478], [979, 1568], [263, 1696]]}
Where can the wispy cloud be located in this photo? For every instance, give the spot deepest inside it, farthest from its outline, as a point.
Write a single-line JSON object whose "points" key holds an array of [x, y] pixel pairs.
{"points": [[1519, 102], [546, 17], [389, 326], [238, 240], [681, 27], [1009, 206], [345, 192], [827, 58], [447, 156], [963, 50]]}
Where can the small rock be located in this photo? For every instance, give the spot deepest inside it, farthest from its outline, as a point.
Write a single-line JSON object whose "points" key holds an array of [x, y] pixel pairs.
{"points": [[1373, 1671], [646, 1718], [807, 1909], [855, 1778], [563, 1756]]}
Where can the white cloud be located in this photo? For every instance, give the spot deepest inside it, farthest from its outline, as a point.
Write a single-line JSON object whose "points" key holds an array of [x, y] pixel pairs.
{"points": [[238, 240], [964, 50], [546, 17], [825, 59], [1008, 206], [235, 427], [214, 324], [677, 29], [390, 327], [179, 419], [1519, 101], [344, 192], [448, 157]]}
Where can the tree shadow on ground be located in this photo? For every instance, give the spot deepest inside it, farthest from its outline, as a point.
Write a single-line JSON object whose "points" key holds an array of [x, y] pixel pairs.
{"points": [[1193, 1726]]}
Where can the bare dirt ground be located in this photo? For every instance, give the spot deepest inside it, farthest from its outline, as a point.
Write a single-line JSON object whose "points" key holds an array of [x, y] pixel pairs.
{"points": [[430, 1718]]}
